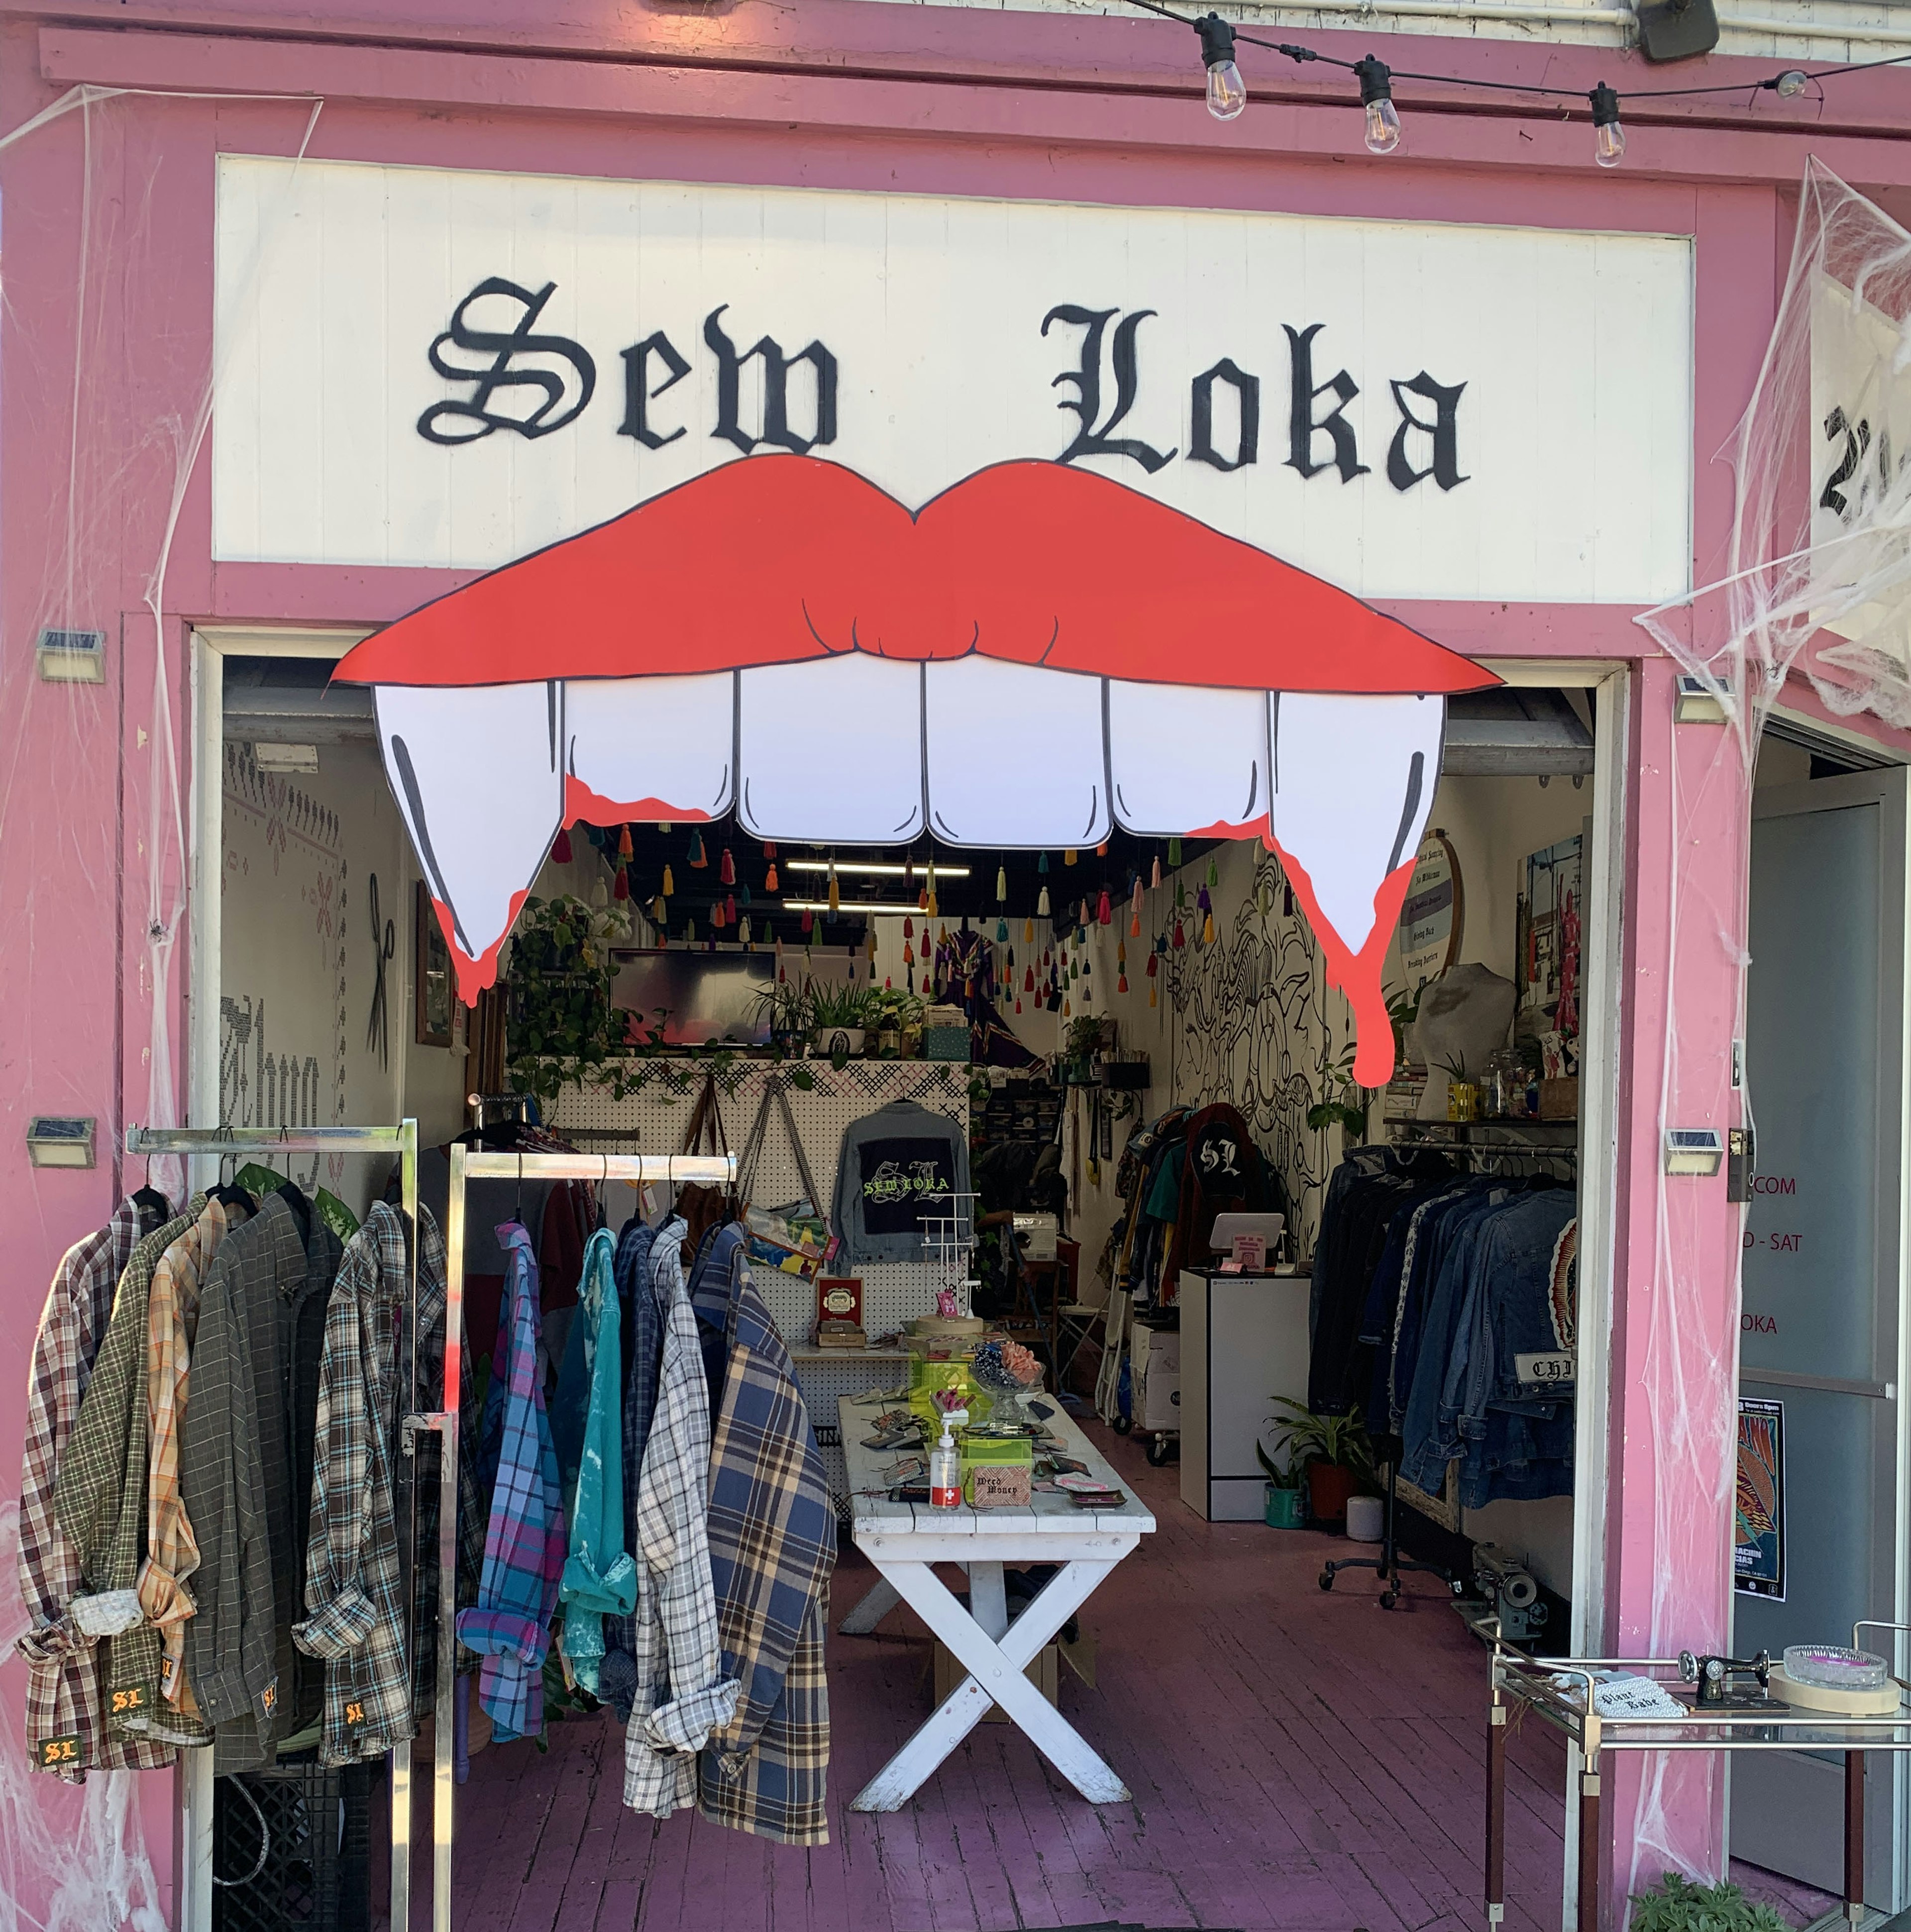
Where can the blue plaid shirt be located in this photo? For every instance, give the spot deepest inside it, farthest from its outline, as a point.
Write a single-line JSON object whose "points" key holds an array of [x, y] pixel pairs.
{"points": [[510, 1628]]}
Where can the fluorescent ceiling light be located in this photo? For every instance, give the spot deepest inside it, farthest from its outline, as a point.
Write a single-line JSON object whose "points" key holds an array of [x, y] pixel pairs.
{"points": [[877, 869], [849, 906]]}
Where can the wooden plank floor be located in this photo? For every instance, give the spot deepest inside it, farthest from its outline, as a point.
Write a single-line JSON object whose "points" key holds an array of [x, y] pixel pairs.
{"points": [[1299, 1762]]}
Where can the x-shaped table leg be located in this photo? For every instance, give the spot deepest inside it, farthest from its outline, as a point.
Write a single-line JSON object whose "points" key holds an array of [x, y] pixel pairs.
{"points": [[994, 1676]]}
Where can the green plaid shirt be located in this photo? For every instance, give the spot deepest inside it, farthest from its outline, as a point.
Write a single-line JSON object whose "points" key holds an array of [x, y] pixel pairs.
{"points": [[99, 1494]]}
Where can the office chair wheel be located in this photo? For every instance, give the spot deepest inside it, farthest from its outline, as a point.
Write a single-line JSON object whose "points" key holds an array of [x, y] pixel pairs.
{"points": [[1326, 1580], [1389, 1598], [1122, 1424], [1158, 1452]]}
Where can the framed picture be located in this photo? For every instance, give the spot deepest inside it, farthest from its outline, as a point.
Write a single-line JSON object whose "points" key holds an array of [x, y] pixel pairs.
{"points": [[1758, 1541], [431, 975]]}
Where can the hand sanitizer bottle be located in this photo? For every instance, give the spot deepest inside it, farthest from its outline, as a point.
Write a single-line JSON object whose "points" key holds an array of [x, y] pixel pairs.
{"points": [[945, 1471]]}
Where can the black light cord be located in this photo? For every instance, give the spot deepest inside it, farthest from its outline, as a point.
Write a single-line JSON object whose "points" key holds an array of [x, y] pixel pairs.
{"points": [[1300, 53]]}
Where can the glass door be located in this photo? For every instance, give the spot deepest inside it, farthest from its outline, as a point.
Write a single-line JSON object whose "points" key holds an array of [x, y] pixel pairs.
{"points": [[1819, 1528]]}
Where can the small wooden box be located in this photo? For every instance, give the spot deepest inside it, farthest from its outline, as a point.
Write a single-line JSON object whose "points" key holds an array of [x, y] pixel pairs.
{"points": [[998, 1486], [1045, 1674], [1559, 1099]]}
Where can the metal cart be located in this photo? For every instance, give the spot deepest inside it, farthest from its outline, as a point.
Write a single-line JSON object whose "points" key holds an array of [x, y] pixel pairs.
{"points": [[1520, 1679]]}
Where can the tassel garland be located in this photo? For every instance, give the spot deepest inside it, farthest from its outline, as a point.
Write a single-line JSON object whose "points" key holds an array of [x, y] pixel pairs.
{"points": [[561, 848], [698, 861]]}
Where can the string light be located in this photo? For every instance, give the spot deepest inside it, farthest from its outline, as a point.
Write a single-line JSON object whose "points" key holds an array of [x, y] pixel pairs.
{"points": [[1376, 79], [1227, 91], [1609, 137]]}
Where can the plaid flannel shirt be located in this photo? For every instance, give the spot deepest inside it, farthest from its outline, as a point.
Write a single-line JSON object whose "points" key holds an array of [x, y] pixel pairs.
{"points": [[99, 1494], [772, 1529], [172, 1553], [680, 1692], [64, 1704], [510, 1626], [354, 1588], [600, 1578], [642, 1338]]}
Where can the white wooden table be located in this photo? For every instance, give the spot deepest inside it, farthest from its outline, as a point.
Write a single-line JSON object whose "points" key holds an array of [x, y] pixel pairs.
{"points": [[904, 1540]]}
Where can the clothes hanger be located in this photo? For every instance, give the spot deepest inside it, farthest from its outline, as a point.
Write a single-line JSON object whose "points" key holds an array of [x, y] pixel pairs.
{"points": [[228, 1193]]}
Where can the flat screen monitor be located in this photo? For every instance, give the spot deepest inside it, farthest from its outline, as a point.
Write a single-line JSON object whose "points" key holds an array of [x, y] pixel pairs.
{"points": [[700, 996]]}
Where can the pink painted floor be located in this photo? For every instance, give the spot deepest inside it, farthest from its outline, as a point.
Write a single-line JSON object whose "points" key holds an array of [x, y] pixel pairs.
{"points": [[1299, 1763]]}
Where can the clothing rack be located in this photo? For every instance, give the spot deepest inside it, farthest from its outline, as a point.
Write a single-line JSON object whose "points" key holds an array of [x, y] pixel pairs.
{"points": [[214, 1144], [469, 1164]]}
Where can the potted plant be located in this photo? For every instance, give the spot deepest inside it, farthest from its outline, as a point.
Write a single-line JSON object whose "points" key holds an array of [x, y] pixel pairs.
{"points": [[1286, 1505], [891, 1016], [838, 1017], [1335, 1450], [1677, 1904]]}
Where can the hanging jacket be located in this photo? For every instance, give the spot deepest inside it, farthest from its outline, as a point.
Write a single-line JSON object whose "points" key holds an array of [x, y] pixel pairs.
{"points": [[510, 1626], [67, 1733], [641, 1335], [772, 1548], [354, 1595], [171, 1551], [600, 1578], [679, 1690], [899, 1167]]}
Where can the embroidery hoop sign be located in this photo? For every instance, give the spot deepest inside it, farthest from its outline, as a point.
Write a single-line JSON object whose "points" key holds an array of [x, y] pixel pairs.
{"points": [[1433, 914]]}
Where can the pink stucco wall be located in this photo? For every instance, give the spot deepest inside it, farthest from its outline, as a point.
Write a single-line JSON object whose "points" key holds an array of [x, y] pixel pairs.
{"points": [[107, 241]]}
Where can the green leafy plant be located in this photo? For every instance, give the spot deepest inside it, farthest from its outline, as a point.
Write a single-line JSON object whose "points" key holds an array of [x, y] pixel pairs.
{"points": [[562, 1026], [1284, 1475], [834, 1004], [1340, 1441], [1677, 1904], [1347, 1104], [889, 1010]]}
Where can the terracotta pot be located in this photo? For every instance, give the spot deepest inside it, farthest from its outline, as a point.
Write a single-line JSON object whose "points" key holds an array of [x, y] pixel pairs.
{"points": [[1329, 1485]]}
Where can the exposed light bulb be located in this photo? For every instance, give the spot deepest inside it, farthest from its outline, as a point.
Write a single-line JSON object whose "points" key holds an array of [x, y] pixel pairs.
{"points": [[1608, 136], [1792, 81], [1376, 80], [1227, 92]]}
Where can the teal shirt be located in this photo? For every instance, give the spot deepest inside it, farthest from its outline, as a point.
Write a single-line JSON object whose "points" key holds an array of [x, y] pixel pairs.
{"points": [[599, 1578]]}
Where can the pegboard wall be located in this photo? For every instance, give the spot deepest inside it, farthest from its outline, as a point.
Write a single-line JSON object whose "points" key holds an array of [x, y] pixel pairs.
{"points": [[656, 1119]]}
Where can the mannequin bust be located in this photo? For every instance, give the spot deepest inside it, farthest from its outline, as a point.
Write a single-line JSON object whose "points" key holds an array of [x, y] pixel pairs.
{"points": [[1464, 1016]]}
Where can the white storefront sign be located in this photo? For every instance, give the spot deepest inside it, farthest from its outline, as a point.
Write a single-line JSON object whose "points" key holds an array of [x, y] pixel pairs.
{"points": [[424, 368]]}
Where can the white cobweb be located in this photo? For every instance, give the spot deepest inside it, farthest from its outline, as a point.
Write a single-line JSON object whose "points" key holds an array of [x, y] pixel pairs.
{"points": [[1819, 577]]}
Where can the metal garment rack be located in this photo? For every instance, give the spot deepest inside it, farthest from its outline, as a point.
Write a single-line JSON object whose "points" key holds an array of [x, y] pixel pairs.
{"points": [[470, 1164], [214, 1143]]}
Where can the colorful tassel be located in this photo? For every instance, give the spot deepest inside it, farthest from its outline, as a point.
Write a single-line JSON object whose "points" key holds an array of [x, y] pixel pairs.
{"points": [[1002, 884], [698, 861], [726, 869], [1174, 853], [1001, 932], [1101, 850], [1042, 861], [1018, 1003], [1104, 913], [1041, 906], [1207, 932], [626, 850], [1202, 902], [1154, 996], [770, 848], [1028, 932], [669, 883], [689, 932], [743, 929], [835, 891], [1028, 979], [1155, 880], [659, 912], [1180, 895], [1214, 872], [908, 953], [620, 886], [730, 909], [1068, 856], [770, 884], [1121, 984], [561, 848], [809, 920], [909, 928], [1180, 938], [1154, 964]]}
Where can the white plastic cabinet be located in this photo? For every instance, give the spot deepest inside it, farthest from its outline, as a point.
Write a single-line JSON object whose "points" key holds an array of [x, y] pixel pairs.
{"points": [[1244, 1341]]}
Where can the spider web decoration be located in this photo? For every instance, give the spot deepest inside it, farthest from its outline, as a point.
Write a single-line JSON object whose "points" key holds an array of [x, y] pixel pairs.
{"points": [[1820, 572]]}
